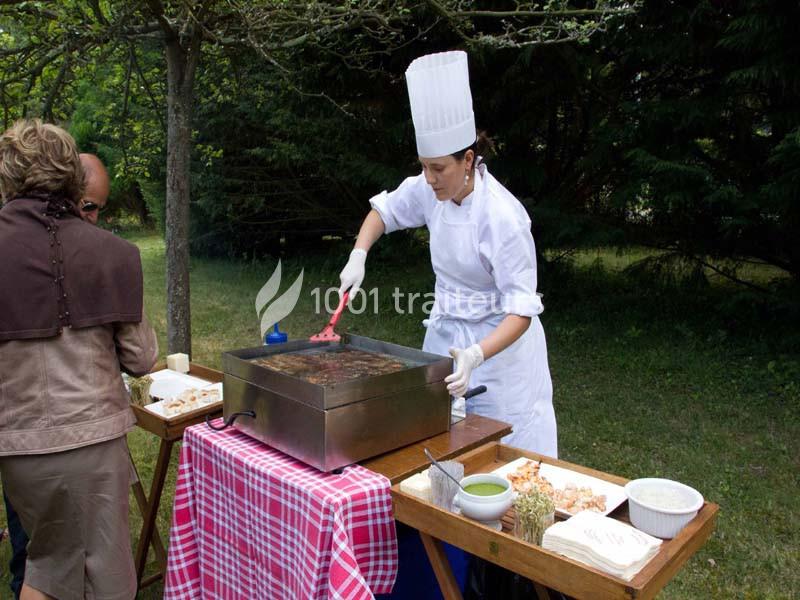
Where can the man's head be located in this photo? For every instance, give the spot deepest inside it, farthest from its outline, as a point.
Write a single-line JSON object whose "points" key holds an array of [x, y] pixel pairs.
{"points": [[98, 186]]}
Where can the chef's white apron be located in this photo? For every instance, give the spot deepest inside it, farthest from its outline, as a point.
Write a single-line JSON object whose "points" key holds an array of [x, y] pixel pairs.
{"points": [[467, 309]]}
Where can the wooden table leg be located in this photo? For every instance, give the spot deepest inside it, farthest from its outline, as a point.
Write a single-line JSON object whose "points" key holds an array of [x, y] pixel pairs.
{"points": [[151, 580], [141, 501], [541, 591], [149, 519], [441, 567], [444, 574]]}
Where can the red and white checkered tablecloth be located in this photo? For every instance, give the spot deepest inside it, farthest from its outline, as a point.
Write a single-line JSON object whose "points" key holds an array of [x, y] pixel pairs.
{"points": [[251, 522]]}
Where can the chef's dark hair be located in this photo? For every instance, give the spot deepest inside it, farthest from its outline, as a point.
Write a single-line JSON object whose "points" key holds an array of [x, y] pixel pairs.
{"points": [[483, 146]]}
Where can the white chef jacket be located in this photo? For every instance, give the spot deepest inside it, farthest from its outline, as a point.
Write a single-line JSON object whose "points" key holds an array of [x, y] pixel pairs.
{"points": [[484, 259]]}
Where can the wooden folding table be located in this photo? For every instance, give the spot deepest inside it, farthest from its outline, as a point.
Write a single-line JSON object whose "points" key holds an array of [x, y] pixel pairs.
{"points": [[170, 431], [543, 567]]}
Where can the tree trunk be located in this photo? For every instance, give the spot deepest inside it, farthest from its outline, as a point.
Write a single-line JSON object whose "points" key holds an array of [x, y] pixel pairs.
{"points": [[180, 77]]}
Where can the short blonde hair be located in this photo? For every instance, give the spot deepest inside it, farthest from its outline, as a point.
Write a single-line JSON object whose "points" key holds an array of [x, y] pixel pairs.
{"points": [[39, 157]]}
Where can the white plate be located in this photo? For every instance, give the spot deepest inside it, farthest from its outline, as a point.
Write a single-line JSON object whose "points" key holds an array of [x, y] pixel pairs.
{"points": [[559, 478], [168, 384]]}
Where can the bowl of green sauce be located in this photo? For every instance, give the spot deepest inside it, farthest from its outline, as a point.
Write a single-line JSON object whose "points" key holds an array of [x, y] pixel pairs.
{"points": [[484, 497]]}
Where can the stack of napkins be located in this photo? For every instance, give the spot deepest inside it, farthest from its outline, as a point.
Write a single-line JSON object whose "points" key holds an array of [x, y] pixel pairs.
{"points": [[418, 485], [602, 543]]}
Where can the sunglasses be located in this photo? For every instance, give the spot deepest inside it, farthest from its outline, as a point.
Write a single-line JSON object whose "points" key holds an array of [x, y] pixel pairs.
{"points": [[88, 207]]}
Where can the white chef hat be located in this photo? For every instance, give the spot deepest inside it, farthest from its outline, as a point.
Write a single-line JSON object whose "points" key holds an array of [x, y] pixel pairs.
{"points": [[441, 103]]}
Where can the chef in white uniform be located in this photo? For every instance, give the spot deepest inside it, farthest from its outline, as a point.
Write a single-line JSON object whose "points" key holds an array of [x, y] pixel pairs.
{"points": [[485, 312]]}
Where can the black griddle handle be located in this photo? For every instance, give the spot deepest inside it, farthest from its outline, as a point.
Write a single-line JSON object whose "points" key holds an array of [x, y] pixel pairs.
{"points": [[474, 391], [229, 421]]}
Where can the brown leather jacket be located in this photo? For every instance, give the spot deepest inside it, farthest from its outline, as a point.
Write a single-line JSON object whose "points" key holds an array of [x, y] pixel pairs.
{"points": [[66, 391]]}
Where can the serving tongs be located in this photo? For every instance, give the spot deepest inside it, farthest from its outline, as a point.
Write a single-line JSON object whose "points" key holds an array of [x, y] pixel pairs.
{"points": [[328, 334]]}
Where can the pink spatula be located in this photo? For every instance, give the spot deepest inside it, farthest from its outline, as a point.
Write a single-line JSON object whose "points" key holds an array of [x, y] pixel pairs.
{"points": [[328, 334]]}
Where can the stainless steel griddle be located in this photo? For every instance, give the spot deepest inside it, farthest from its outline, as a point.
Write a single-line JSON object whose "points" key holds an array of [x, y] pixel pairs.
{"points": [[332, 425]]}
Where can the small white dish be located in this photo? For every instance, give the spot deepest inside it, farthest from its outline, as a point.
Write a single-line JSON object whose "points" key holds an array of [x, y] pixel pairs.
{"points": [[496, 525], [487, 509], [661, 507]]}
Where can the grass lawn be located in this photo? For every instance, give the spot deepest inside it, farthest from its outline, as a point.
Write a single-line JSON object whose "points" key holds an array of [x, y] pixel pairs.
{"points": [[649, 380]]}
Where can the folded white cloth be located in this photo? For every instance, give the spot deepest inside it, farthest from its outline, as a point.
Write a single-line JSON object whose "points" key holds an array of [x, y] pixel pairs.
{"points": [[603, 543]]}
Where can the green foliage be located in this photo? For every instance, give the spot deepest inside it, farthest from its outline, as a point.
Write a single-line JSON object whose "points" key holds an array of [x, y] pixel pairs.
{"points": [[686, 142], [113, 116], [154, 196], [709, 160], [293, 166]]}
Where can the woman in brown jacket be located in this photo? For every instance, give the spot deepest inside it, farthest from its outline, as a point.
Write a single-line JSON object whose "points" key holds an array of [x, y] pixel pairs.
{"points": [[70, 321]]}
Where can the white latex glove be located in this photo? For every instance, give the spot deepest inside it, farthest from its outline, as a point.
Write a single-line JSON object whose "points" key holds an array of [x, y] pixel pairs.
{"points": [[467, 360], [353, 273]]}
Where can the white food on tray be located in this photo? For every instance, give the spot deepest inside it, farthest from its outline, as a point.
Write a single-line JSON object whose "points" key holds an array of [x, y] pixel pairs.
{"points": [[418, 485], [178, 362], [177, 393], [561, 478]]}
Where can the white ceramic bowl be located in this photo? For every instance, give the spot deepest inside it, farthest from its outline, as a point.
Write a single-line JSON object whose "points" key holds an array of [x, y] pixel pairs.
{"points": [[484, 508], [661, 507]]}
